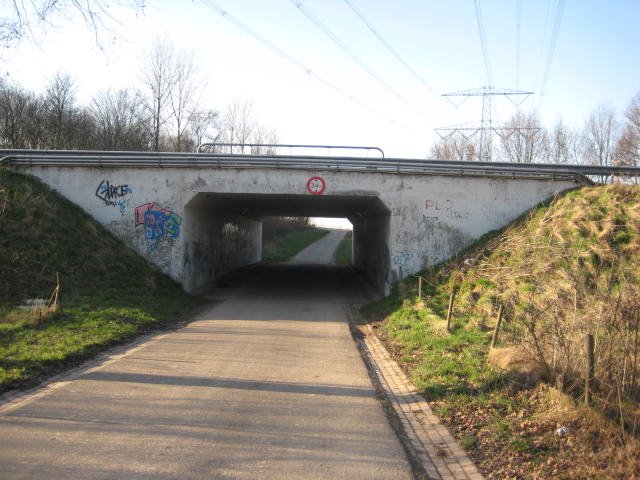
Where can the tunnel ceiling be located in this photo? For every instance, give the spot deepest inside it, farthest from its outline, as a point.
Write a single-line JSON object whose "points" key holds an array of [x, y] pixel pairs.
{"points": [[258, 206]]}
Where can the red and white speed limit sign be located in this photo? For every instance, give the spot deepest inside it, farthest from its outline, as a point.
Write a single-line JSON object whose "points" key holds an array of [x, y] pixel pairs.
{"points": [[316, 185]]}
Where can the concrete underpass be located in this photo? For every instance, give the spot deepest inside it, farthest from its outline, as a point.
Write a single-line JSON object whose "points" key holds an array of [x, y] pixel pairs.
{"points": [[224, 231], [197, 216]]}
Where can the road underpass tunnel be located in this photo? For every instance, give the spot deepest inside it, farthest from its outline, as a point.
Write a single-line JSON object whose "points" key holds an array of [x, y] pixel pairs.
{"points": [[223, 232], [284, 238]]}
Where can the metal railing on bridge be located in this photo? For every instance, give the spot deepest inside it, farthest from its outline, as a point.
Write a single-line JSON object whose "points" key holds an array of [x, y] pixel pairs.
{"points": [[71, 158], [287, 149]]}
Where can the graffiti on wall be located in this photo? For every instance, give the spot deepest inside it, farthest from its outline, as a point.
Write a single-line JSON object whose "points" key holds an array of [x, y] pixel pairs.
{"points": [[403, 259], [445, 207], [114, 195], [159, 223]]}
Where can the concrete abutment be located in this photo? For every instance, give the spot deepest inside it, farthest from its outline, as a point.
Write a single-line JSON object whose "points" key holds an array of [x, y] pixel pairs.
{"points": [[198, 223]]}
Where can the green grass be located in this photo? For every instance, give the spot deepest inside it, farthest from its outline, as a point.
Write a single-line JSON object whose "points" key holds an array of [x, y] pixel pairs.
{"points": [[109, 294], [558, 267], [344, 250], [283, 247], [442, 364], [468, 442]]}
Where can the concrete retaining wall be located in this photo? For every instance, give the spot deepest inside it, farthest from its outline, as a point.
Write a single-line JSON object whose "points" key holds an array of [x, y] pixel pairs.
{"points": [[402, 223]]}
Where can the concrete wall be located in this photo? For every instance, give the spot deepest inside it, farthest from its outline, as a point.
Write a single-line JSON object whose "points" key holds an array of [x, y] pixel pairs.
{"points": [[420, 220], [371, 248], [215, 244], [433, 219]]}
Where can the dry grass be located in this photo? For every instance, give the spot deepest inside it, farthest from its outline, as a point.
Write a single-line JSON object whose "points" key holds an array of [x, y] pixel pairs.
{"points": [[568, 270], [565, 270]]}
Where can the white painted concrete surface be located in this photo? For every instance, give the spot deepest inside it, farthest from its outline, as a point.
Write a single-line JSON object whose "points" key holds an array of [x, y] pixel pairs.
{"points": [[180, 219]]}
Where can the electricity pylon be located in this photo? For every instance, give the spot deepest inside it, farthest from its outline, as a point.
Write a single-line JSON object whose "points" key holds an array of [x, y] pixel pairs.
{"points": [[486, 127]]}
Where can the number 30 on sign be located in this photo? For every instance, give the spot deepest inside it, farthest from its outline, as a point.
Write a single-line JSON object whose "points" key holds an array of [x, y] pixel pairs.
{"points": [[316, 185]]}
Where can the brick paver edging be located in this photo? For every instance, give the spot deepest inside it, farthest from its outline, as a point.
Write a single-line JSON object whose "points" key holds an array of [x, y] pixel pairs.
{"points": [[427, 440]]}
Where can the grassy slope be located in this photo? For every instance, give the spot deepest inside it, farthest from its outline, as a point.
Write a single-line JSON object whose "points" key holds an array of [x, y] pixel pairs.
{"points": [[282, 247], [109, 293], [554, 271]]}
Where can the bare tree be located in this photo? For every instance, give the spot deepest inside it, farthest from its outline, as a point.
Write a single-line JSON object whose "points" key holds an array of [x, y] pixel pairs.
{"points": [[454, 147], [237, 122], [185, 99], [628, 148], [22, 17], [159, 78], [21, 118], [262, 135], [203, 125], [174, 91], [523, 139], [599, 136], [563, 144], [120, 122], [59, 103]]}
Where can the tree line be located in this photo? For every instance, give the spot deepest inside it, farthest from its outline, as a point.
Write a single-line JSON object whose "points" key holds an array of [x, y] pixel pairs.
{"points": [[605, 139], [166, 112]]}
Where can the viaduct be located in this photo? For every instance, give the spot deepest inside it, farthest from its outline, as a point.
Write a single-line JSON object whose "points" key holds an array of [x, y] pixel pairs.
{"points": [[198, 216]]}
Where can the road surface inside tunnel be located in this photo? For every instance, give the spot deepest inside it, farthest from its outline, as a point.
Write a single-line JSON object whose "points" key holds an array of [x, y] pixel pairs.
{"points": [[266, 382]]}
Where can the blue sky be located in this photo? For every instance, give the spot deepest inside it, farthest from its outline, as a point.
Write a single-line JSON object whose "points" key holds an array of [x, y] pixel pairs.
{"points": [[596, 60]]}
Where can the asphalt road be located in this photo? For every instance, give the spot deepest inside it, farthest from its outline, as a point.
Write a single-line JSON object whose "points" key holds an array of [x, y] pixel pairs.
{"points": [[266, 383]]}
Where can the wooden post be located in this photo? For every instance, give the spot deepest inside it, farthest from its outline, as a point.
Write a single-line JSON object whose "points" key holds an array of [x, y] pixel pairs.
{"points": [[419, 287], [494, 338], [55, 300], [588, 381], [450, 311]]}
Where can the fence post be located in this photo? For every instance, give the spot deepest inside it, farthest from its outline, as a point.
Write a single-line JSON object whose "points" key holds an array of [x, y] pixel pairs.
{"points": [[494, 338], [449, 312], [588, 381], [419, 287]]}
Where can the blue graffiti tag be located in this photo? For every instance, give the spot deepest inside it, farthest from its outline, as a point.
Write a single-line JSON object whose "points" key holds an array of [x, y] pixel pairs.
{"points": [[403, 259], [159, 223]]}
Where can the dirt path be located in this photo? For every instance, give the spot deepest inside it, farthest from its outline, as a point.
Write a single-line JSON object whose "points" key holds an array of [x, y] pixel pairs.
{"points": [[266, 383]]}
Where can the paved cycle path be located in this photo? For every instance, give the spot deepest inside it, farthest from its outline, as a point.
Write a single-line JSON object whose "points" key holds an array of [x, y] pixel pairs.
{"points": [[265, 383]]}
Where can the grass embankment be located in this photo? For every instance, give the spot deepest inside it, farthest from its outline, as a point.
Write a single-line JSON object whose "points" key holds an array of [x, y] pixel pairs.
{"points": [[565, 270], [344, 251], [283, 237], [109, 294]]}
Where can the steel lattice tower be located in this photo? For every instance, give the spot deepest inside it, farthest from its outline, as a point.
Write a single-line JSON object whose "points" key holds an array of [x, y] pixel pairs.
{"points": [[486, 128]]}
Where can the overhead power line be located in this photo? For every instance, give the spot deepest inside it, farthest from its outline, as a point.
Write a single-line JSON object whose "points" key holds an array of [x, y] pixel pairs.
{"points": [[483, 41], [393, 52], [334, 38], [552, 48], [518, 18], [293, 61]]}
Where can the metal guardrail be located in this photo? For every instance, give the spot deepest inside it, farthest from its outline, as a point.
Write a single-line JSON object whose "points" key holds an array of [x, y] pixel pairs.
{"points": [[275, 148], [65, 158]]}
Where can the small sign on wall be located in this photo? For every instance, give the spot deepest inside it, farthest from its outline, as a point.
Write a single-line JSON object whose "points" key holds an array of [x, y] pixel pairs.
{"points": [[316, 185]]}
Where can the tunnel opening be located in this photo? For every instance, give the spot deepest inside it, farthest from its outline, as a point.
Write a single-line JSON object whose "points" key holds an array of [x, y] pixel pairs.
{"points": [[223, 232], [285, 238]]}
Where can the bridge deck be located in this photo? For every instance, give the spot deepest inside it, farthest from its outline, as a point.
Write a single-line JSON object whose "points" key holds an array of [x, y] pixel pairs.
{"points": [[64, 158]]}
